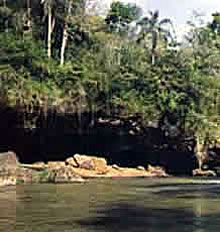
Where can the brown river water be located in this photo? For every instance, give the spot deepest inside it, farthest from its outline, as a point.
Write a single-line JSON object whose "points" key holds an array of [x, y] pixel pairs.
{"points": [[112, 205]]}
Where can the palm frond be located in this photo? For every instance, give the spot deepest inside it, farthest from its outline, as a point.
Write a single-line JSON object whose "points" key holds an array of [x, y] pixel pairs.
{"points": [[143, 21], [156, 14], [165, 21]]}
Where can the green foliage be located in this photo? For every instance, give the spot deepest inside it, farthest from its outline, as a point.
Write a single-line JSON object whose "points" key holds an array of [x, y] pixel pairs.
{"points": [[108, 73], [120, 15], [215, 24], [47, 176], [156, 30]]}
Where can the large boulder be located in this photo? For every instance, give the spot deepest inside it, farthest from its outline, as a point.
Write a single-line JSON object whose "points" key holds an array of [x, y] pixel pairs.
{"points": [[91, 163], [8, 166]]}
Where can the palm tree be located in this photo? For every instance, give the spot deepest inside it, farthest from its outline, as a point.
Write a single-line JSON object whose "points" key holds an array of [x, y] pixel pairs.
{"points": [[121, 15], [215, 24], [152, 25]]}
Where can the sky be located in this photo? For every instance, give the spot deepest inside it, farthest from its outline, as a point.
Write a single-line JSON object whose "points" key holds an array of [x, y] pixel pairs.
{"points": [[179, 11]]}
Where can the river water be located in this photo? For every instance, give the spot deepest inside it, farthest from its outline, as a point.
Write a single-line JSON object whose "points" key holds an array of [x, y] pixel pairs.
{"points": [[112, 205]]}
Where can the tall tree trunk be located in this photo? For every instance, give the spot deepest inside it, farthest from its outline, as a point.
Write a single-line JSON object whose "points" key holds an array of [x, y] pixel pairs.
{"points": [[53, 24], [65, 35], [28, 14], [153, 58], [49, 32], [153, 54]]}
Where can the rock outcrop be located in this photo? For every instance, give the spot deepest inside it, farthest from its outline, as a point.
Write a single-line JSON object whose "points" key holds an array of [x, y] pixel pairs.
{"points": [[8, 166], [74, 169], [92, 167], [94, 163]]}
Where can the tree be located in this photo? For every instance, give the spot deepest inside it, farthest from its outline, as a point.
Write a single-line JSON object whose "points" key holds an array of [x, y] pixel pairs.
{"points": [[203, 119], [5, 17], [73, 18], [215, 24], [109, 74], [28, 24], [65, 33], [121, 15], [48, 6], [156, 28]]}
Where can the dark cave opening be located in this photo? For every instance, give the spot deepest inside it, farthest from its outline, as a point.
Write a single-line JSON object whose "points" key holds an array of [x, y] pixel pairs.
{"points": [[64, 139]]}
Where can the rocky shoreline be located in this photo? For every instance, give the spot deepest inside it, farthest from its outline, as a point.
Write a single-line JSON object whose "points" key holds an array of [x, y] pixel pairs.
{"points": [[75, 169]]}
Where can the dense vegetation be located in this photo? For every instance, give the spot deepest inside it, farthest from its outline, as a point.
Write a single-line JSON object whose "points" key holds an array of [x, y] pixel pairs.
{"points": [[55, 55]]}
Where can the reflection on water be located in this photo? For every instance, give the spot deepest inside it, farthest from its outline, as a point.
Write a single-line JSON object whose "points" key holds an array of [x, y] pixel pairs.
{"points": [[134, 205], [7, 209]]}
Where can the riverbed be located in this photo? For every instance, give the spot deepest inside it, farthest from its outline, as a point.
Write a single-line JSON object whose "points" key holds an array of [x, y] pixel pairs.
{"points": [[111, 205]]}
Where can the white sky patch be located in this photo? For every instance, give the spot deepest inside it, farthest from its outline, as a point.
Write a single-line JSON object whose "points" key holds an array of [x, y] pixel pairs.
{"points": [[181, 10]]}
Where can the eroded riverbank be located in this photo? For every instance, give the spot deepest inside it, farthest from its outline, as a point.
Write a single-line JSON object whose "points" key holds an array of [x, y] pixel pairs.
{"points": [[77, 168], [74, 169]]}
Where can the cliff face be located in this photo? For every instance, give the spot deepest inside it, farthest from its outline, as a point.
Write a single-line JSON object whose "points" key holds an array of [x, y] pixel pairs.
{"points": [[122, 141]]}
